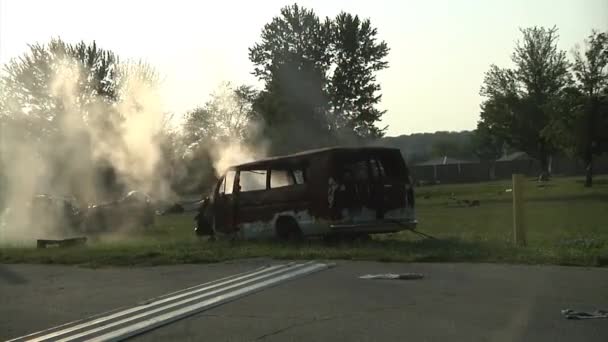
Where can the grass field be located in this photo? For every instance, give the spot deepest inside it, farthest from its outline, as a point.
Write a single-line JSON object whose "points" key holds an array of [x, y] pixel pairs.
{"points": [[567, 225]]}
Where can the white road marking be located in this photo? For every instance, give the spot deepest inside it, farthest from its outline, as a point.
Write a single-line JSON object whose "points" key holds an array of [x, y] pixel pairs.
{"points": [[120, 324]]}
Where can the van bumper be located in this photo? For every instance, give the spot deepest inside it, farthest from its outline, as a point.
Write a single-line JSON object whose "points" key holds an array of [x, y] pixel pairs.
{"points": [[381, 226]]}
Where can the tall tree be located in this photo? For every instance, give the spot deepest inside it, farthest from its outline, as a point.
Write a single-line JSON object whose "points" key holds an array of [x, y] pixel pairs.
{"points": [[581, 125], [226, 115], [28, 82], [66, 103], [226, 118], [518, 101], [319, 78], [293, 59], [353, 89], [485, 145]]}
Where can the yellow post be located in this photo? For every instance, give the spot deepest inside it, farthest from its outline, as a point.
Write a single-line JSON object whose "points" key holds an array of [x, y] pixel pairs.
{"points": [[519, 227]]}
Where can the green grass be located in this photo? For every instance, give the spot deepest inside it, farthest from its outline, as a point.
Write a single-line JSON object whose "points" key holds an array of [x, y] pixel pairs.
{"points": [[567, 225]]}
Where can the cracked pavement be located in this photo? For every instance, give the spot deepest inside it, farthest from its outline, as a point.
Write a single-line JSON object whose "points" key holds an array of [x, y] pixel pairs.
{"points": [[459, 302]]}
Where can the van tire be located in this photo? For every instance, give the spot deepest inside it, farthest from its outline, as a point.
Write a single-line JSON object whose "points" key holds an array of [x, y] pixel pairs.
{"points": [[287, 229]]}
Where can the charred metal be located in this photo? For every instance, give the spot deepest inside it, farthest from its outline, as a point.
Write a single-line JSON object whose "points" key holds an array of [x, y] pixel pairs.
{"points": [[313, 193], [63, 217]]}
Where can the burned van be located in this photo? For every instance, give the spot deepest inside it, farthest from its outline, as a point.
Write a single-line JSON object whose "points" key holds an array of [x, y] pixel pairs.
{"points": [[331, 191]]}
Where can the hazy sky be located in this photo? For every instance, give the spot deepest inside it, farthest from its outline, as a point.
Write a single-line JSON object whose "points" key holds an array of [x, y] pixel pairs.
{"points": [[439, 49]]}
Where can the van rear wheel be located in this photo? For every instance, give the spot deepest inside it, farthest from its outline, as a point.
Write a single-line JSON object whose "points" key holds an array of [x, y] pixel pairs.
{"points": [[287, 229]]}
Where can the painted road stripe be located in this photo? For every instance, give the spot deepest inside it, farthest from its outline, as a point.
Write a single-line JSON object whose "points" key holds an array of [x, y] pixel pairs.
{"points": [[107, 313], [120, 324], [158, 321], [150, 304], [130, 319]]}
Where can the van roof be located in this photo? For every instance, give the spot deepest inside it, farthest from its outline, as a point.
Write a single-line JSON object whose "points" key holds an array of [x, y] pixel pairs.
{"points": [[300, 156]]}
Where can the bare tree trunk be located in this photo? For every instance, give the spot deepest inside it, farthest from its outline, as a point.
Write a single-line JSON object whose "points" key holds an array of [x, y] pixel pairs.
{"points": [[591, 115], [588, 168], [544, 165]]}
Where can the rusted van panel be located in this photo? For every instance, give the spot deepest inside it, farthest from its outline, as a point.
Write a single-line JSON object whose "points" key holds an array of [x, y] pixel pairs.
{"points": [[318, 192]]}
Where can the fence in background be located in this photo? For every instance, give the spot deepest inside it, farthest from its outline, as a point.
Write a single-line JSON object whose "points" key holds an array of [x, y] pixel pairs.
{"points": [[486, 171]]}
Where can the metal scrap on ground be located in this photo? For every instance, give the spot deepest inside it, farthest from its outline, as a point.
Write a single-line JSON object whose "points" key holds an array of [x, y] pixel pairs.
{"points": [[571, 314], [393, 276], [44, 243]]}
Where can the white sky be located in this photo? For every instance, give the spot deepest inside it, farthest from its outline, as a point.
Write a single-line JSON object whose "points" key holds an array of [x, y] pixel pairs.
{"points": [[439, 48]]}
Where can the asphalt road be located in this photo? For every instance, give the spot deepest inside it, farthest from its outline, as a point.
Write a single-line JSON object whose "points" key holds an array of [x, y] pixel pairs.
{"points": [[456, 302]]}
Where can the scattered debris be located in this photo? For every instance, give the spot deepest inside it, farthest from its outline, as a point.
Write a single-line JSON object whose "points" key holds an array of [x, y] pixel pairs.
{"points": [[597, 314], [134, 209], [176, 208], [426, 183], [44, 243], [393, 276], [60, 213], [464, 202]]}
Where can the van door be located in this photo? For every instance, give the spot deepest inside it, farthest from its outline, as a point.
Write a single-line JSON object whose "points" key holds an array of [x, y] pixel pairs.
{"points": [[354, 193], [252, 206], [371, 185], [225, 204], [388, 182]]}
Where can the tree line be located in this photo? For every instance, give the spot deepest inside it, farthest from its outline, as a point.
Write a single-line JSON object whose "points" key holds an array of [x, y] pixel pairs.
{"points": [[320, 88], [547, 103], [319, 79]]}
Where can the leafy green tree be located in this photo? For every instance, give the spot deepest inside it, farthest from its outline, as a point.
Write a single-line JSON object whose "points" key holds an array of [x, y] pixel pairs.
{"points": [[446, 148], [319, 78], [59, 97], [295, 37], [517, 105], [29, 97], [580, 126], [293, 59], [353, 90], [198, 126], [485, 145], [226, 115]]}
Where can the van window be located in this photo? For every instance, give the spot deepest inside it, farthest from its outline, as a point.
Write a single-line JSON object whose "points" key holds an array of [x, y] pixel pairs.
{"points": [[252, 180], [298, 176], [377, 168], [280, 178], [392, 166], [355, 171], [228, 183]]}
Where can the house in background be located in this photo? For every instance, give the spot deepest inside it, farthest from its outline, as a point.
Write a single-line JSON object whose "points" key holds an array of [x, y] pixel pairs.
{"points": [[452, 170], [447, 169], [516, 162]]}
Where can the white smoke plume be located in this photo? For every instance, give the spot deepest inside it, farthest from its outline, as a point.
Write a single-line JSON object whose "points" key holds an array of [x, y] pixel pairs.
{"points": [[90, 131], [231, 135], [234, 150]]}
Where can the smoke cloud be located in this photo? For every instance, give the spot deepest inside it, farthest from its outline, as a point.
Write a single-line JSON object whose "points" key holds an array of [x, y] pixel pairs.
{"points": [[234, 150], [91, 148]]}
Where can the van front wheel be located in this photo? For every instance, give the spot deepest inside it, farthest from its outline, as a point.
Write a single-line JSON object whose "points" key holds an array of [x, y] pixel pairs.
{"points": [[287, 229]]}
